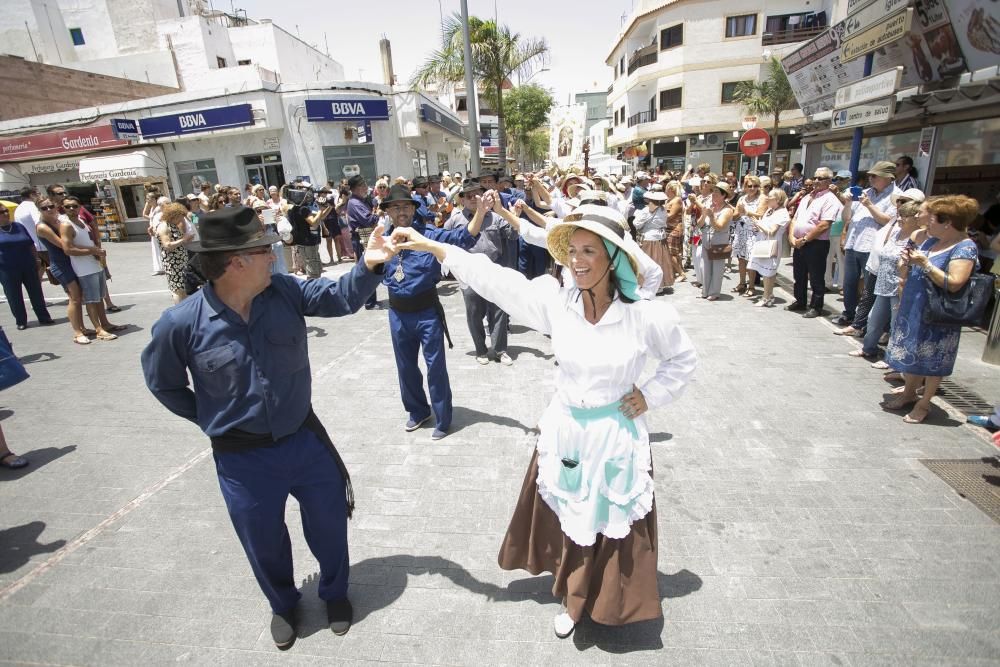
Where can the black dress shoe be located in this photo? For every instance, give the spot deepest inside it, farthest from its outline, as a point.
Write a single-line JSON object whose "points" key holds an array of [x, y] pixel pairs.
{"points": [[795, 307], [47, 323], [841, 321], [811, 313], [22, 327], [339, 613], [283, 630]]}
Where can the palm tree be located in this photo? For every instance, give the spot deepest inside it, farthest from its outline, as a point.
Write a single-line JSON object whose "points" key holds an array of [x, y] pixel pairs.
{"points": [[768, 98], [497, 54]]}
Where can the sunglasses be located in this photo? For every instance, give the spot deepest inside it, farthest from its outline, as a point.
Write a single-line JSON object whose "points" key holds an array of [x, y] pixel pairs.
{"points": [[71, 207], [46, 208], [58, 194]]}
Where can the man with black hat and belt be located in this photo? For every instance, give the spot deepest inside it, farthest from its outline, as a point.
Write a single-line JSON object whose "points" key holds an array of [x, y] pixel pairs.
{"points": [[423, 202], [242, 338], [416, 317]]}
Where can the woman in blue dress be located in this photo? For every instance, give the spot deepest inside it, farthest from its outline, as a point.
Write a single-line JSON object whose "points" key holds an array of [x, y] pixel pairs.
{"points": [[923, 352]]}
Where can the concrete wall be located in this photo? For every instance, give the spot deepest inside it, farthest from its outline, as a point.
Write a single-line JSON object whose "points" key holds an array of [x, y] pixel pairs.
{"points": [[34, 84], [101, 29], [196, 44], [269, 46], [34, 30], [155, 67]]}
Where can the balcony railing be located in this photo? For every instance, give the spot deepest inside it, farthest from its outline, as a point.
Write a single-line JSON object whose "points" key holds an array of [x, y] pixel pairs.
{"points": [[642, 57], [641, 117], [791, 35]]}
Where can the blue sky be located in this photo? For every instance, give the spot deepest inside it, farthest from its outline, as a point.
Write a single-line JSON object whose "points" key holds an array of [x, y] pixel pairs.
{"points": [[578, 34]]}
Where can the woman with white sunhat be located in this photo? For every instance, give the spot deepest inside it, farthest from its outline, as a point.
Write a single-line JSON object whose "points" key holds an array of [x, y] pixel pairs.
{"points": [[586, 511], [651, 233]]}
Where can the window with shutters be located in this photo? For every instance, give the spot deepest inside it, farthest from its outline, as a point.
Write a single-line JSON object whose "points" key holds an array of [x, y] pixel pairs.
{"points": [[670, 99]]}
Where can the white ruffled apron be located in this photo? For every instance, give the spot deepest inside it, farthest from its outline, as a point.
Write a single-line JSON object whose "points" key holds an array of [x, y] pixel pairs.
{"points": [[594, 470]]}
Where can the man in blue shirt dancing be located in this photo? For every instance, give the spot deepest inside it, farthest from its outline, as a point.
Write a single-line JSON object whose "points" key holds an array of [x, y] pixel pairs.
{"points": [[242, 338], [416, 317]]}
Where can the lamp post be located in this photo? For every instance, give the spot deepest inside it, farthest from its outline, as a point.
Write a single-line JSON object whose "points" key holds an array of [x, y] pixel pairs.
{"points": [[470, 93]]}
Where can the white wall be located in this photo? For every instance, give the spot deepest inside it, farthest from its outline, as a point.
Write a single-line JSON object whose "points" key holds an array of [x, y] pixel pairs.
{"points": [[153, 67], [94, 18], [34, 30], [196, 44], [269, 46]]}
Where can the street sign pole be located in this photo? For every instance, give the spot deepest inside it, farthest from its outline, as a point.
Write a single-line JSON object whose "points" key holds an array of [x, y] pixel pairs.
{"points": [[470, 94], [859, 132]]}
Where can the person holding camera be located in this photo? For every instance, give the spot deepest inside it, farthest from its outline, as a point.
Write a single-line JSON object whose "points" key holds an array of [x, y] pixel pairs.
{"points": [[252, 395], [306, 230]]}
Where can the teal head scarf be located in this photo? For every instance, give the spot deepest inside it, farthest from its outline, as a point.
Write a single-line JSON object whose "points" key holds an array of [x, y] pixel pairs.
{"points": [[627, 281]]}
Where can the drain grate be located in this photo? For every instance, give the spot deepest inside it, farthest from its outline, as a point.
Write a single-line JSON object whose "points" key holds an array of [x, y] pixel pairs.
{"points": [[964, 400], [976, 480]]}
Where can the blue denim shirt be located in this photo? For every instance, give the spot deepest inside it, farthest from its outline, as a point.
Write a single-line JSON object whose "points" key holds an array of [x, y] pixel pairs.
{"points": [[248, 375], [421, 270]]}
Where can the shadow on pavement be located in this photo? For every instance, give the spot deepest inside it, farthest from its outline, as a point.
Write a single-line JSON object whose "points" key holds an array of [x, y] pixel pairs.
{"points": [[463, 417], [39, 357], [37, 458], [661, 437], [315, 332], [516, 351], [20, 543], [447, 289]]}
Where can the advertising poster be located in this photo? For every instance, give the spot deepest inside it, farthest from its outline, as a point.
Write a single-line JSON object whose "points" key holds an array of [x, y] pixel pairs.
{"points": [[976, 24], [566, 135]]}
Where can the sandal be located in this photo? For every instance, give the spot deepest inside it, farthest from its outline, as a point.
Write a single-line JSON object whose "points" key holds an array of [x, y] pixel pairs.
{"points": [[81, 340], [711, 298], [860, 353], [104, 335], [749, 293], [881, 365], [13, 461], [739, 288], [909, 419]]}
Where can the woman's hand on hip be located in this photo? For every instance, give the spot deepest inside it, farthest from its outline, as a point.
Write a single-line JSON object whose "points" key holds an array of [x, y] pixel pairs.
{"points": [[633, 403]]}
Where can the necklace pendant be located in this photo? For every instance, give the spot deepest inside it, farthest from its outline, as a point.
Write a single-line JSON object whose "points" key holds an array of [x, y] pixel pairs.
{"points": [[399, 275]]}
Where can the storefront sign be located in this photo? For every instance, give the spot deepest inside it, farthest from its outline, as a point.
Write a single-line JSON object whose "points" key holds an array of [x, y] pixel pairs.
{"points": [[863, 114], [755, 142], [431, 115], [272, 143], [886, 32], [341, 109], [872, 88], [78, 140], [815, 72], [869, 15], [192, 122], [52, 166], [125, 128]]}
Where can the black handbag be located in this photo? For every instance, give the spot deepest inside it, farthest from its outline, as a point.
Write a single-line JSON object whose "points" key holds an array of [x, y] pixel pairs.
{"points": [[964, 307]]}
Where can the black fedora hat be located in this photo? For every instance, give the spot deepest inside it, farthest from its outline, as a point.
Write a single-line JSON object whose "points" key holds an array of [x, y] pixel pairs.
{"points": [[419, 182], [398, 193], [226, 229], [472, 185]]}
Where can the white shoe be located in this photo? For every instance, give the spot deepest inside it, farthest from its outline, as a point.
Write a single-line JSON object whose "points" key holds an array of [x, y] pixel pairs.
{"points": [[563, 625], [505, 359], [483, 360]]}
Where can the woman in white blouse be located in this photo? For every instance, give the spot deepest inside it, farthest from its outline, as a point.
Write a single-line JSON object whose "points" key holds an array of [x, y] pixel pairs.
{"points": [[586, 511], [765, 252], [651, 231]]}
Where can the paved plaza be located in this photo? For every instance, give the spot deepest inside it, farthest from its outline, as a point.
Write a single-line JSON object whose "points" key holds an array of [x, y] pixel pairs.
{"points": [[797, 524]]}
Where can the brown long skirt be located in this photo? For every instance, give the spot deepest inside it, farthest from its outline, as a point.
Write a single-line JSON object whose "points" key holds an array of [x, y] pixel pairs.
{"points": [[660, 253], [612, 580]]}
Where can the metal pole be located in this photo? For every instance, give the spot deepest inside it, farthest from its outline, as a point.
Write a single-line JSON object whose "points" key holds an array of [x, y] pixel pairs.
{"points": [[859, 132], [470, 94]]}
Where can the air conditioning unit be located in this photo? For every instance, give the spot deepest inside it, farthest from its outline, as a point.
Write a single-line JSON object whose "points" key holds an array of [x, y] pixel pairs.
{"points": [[713, 141]]}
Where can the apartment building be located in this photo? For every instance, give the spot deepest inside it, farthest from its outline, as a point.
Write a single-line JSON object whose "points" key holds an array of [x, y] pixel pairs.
{"points": [[676, 65]]}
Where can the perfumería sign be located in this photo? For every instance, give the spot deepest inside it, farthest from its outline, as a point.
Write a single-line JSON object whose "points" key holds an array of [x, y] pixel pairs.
{"points": [[871, 88], [64, 142], [193, 122], [345, 109], [886, 32], [863, 114]]}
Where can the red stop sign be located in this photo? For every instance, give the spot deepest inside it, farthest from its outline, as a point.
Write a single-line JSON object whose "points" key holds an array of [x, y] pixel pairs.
{"points": [[755, 142]]}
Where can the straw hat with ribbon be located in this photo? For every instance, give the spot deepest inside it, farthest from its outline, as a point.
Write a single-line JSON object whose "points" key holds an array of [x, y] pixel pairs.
{"points": [[608, 224]]}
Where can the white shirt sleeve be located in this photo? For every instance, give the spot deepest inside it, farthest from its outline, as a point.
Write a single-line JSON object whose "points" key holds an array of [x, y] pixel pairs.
{"points": [[526, 301], [667, 341], [533, 234]]}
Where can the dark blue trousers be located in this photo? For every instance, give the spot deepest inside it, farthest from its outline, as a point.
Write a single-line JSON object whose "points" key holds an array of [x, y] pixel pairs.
{"points": [[531, 260], [13, 278], [409, 332], [257, 482], [359, 254]]}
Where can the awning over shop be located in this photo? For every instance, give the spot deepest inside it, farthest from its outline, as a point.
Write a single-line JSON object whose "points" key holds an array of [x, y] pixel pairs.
{"points": [[11, 180], [141, 163]]}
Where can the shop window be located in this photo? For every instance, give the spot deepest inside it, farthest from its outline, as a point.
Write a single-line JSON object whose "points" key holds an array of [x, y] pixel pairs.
{"points": [[192, 173], [76, 34], [741, 26], [243, 62], [670, 99], [220, 62], [729, 91], [346, 161], [264, 169], [442, 160], [671, 37]]}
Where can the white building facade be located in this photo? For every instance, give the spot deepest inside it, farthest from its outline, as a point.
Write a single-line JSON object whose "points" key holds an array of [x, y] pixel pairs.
{"points": [[675, 69]]}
